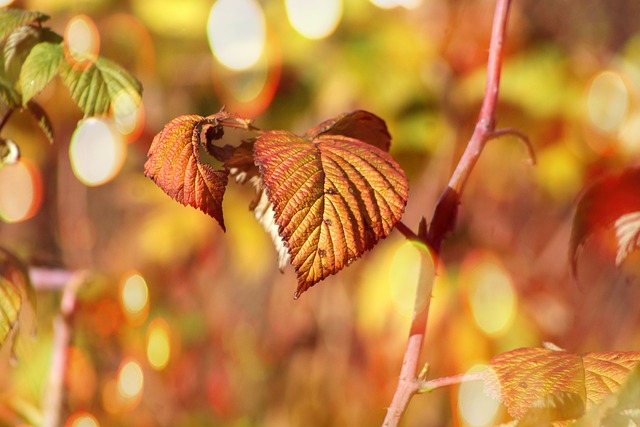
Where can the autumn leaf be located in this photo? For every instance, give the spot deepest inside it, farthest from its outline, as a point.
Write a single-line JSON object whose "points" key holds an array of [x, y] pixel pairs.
{"points": [[16, 294], [534, 379], [361, 125], [188, 161], [613, 201], [174, 165], [334, 197]]}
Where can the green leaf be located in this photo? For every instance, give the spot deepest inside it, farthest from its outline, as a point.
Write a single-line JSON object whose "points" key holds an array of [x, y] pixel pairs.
{"points": [[539, 377], [97, 86], [40, 66], [174, 165], [334, 197], [11, 19], [16, 293], [603, 204], [8, 94], [42, 118], [17, 46]]}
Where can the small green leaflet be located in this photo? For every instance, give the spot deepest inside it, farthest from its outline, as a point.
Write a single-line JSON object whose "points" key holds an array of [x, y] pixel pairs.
{"points": [[96, 87], [40, 66]]}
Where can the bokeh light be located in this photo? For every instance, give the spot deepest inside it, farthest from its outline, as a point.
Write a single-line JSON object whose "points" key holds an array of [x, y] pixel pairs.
{"points": [[404, 275], [97, 151], [158, 344], [390, 4], [249, 92], [607, 101], [314, 19], [491, 296], [134, 297], [237, 32], [20, 191], [128, 115], [130, 380], [474, 406], [81, 41], [82, 419]]}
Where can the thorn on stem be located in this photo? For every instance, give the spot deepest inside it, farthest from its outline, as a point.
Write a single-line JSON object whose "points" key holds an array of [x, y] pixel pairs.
{"points": [[518, 134]]}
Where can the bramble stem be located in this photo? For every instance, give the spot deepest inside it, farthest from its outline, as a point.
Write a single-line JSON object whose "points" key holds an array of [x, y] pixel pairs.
{"points": [[443, 221]]}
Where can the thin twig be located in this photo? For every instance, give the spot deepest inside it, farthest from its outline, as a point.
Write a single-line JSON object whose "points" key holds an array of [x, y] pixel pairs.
{"points": [[428, 386], [444, 218]]}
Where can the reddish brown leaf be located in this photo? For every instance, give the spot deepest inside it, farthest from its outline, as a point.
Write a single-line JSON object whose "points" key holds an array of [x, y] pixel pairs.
{"points": [[528, 377], [602, 205], [174, 165], [333, 197], [361, 125]]}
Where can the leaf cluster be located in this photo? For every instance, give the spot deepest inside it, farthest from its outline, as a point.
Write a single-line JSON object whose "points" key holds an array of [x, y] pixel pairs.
{"points": [[326, 196], [32, 55]]}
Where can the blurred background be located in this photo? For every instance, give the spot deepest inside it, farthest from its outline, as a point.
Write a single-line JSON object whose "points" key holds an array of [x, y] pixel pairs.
{"points": [[180, 324]]}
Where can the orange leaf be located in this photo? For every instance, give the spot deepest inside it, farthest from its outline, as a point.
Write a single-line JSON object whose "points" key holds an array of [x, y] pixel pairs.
{"points": [[527, 379], [334, 197], [174, 165]]}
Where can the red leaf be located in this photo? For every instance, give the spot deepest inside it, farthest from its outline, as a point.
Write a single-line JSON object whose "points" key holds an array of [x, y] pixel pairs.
{"points": [[606, 203], [361, 125], [174, 165], [333, 197]]}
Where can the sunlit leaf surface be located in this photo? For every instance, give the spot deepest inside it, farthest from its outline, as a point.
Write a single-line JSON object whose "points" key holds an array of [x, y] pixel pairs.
{"points": [[538, 378], [39, 68], [94, 88], [174, 165], [334, 197]]}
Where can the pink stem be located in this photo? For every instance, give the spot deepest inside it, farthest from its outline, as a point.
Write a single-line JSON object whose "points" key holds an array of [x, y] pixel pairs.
{"points": [[409, 383]]}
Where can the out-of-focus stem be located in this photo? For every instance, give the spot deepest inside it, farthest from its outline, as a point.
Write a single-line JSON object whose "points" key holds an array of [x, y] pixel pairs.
{"points": [[62, 330]]}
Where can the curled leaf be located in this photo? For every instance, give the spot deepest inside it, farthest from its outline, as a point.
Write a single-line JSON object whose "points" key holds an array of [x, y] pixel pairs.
{"points": [[188, 161], [334, 197], [532, 380], [608, 202], [174, 165]]}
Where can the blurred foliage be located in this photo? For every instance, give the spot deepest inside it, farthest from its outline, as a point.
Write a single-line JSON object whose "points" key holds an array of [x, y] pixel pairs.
{"points": [[242, 352]]}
